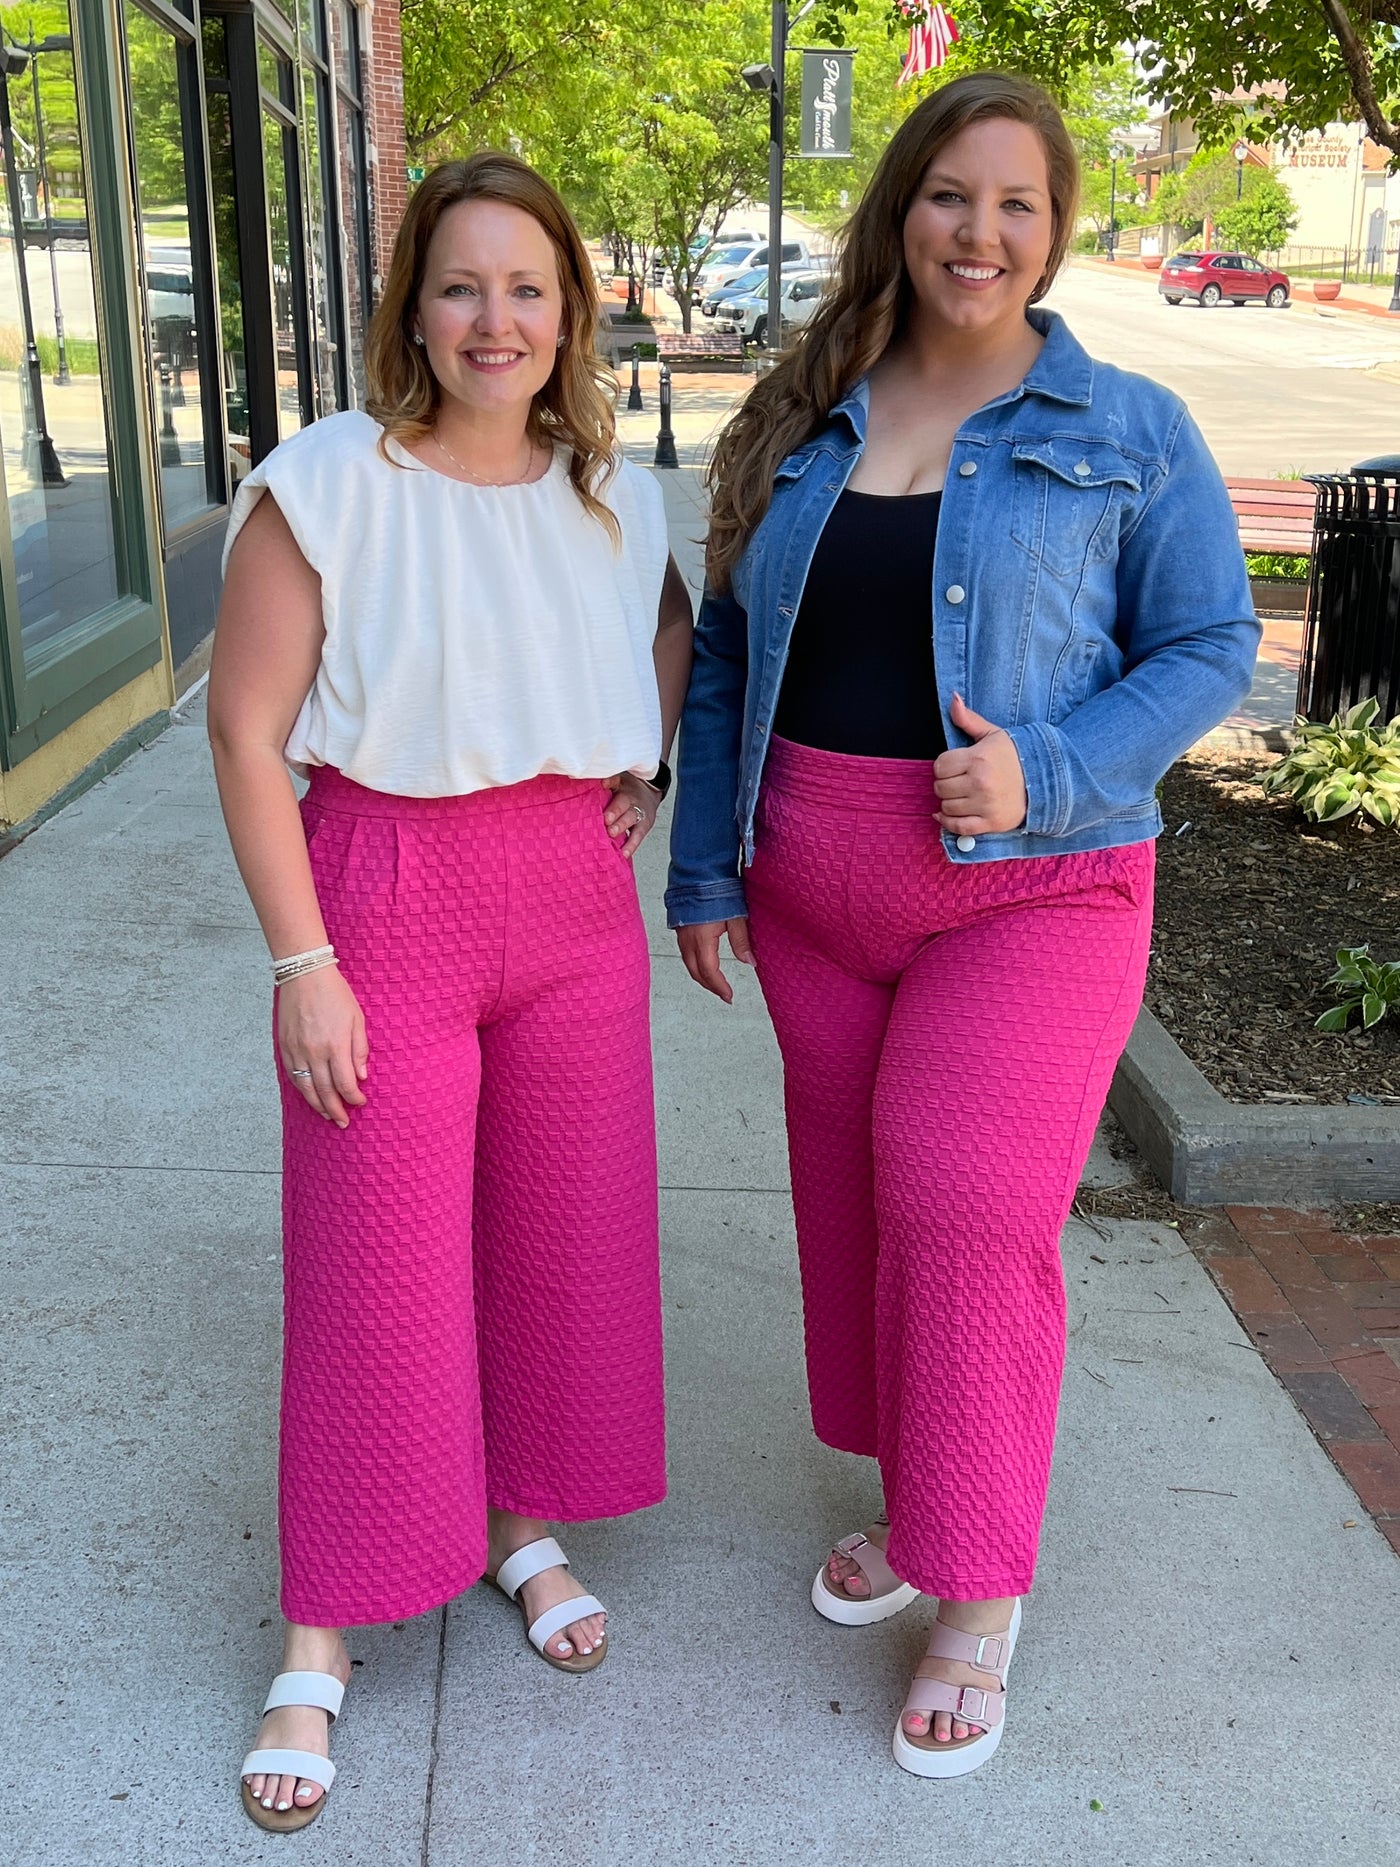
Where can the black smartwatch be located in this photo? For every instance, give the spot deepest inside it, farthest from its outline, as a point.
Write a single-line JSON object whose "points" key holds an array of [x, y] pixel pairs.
{"points": [[661, 783]]}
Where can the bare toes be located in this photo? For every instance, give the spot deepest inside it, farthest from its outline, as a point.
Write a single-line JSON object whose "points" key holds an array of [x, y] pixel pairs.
{"points": [[915, 1723], [307, 1793]]}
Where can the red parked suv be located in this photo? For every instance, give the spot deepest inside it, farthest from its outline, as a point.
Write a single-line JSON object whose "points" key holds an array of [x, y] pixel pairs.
{"points": [[1209, 277]]}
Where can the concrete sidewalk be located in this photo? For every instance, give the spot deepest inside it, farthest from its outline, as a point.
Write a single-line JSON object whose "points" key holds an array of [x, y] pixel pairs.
{"points": [[1209, 1654]]}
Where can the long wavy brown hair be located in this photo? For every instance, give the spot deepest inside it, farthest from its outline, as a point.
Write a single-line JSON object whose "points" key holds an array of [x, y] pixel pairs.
{"points": [[576, 406], [869, 303]]}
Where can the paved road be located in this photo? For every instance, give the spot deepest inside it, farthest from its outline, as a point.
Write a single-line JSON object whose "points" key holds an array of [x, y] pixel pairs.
{"points": [[1274, 391]]}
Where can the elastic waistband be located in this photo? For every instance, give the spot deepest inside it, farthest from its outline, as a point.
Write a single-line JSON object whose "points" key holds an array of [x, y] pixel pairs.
{"points": [[900, 785], [330, 789]]}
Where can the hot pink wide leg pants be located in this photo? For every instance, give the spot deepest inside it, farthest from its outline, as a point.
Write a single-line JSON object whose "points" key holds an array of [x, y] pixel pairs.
{"points": [[948, 1035], [472, 1289]]}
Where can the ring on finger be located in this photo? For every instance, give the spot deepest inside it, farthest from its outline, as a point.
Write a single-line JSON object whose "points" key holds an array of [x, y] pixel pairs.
{"points": [[298, 1072], [639, 813]]}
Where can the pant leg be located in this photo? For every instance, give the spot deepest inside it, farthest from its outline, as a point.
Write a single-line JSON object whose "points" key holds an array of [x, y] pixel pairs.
{"points": [[566, 1229], [997, 1062], [830, 1026], [382, 1499]]}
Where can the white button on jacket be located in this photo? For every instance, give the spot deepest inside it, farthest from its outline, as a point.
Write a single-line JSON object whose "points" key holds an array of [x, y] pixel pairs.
{"points": [[966, 843], [955, 593], [967, 469]]}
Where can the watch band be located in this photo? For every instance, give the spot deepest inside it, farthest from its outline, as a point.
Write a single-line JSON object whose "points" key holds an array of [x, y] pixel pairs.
{"points": [[661, 783]]}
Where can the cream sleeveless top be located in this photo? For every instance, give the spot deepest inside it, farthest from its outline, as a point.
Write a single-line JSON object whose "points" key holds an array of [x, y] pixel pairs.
{"points": [[475, 635]]}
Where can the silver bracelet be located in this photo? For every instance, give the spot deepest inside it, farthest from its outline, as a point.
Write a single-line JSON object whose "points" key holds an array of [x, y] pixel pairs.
{"points": [[297, 964]]}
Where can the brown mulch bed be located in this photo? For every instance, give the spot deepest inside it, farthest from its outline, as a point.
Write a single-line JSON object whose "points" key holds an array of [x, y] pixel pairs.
{"points": [[1252, 904]]}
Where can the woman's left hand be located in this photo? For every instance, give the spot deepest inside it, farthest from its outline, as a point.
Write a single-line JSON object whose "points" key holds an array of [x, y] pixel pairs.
{"points": [[981, 787], [633, 808]]}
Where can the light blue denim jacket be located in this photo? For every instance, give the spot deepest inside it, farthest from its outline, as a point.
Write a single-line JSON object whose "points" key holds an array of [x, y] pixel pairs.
{"points": [[1089, 594]]}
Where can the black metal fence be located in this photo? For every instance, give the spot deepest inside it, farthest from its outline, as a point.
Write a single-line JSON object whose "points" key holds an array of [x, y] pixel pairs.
{"points": [[1355, 265], [1351, 648]]}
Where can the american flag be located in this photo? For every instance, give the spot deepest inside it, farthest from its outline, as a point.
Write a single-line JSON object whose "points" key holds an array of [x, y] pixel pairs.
{"points": [[933, 32]]}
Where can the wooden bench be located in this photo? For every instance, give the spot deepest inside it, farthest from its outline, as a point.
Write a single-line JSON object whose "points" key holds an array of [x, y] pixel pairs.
{"points": [[701, 350], [1274, 516]]}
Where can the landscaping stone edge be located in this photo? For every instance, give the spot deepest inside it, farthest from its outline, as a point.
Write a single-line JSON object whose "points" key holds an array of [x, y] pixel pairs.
{"points": [[1208, 1151]]}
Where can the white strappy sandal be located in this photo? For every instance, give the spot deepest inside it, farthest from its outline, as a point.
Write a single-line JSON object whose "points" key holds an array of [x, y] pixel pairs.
{"points": [[522, 1567], [888, 1595], [324, 1692]]}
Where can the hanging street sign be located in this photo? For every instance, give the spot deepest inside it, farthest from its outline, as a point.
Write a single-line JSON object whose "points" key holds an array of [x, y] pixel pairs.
{"points": [[826, 103]]}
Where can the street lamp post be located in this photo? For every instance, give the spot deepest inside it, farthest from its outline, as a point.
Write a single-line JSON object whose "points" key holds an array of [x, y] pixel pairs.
{"points": [[776, 98], [770, 78], [1239, 152], [12, 62], [54, 43]]}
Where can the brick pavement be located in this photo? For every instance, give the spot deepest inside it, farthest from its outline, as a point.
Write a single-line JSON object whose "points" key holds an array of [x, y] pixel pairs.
{"points": [[1323, 1309]]}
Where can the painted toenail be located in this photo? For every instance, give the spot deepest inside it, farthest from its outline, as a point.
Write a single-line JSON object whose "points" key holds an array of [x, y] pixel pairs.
{"points": [[284, 1805]]}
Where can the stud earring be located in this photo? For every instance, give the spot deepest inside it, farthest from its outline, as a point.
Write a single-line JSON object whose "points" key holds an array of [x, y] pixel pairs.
{"points": [[417, 338], [560, 341]]}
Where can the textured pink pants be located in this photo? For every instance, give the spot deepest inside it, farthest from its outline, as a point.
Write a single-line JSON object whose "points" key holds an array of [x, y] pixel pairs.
{"points": [[948, 1035], [472, 1287]]}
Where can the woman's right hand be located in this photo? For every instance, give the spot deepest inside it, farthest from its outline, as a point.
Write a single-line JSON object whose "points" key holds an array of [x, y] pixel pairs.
{"points": [[321, 1028], [700, 950]]}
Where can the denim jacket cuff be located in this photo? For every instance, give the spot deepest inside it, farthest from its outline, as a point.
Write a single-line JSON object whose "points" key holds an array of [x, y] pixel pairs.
{"points": [[1047, 777], [694, 903]]}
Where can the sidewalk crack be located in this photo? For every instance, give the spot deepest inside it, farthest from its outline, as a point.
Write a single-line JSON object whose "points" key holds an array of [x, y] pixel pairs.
{"points": [[433, 1743]]}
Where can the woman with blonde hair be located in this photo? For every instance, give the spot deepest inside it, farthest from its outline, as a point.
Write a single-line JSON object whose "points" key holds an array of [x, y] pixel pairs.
{"points": [[969, 593], [457, 613]]}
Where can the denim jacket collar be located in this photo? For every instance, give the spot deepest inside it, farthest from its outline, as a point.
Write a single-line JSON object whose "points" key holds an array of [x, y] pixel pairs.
{"points": [[1063, 372]]}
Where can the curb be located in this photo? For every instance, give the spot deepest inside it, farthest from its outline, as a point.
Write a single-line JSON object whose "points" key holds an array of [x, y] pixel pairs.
{"points": [[1207, 1151]]}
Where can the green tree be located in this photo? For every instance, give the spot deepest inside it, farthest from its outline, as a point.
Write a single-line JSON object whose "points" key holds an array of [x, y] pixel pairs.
{"points": [[1262, 219], [1320, 59], [488, 72], [666, 142]]}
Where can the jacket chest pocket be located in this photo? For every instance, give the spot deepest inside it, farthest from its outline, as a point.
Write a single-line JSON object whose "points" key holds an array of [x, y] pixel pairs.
{"points": [[1067, 498]]}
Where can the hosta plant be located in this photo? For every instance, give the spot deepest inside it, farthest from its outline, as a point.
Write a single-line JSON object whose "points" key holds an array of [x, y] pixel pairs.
{"points": [[1363, 984], [1349, 764]]}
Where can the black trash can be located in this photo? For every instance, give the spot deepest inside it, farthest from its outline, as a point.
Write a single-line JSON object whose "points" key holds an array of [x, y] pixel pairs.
{"points": [[1351, 647]]}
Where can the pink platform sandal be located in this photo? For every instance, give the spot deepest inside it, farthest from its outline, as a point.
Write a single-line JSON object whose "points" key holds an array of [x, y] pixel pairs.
{"points": [[888, 1595], [985, 1711]]}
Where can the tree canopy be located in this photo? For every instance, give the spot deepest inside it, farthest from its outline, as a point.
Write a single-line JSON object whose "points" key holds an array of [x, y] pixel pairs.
{"points": [[1291, 65]]}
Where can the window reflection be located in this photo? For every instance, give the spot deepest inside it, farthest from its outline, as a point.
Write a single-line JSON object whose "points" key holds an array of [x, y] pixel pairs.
{"points": [[350, 172], [53, 414], [284, 330], [318, 252], [188, 484]]}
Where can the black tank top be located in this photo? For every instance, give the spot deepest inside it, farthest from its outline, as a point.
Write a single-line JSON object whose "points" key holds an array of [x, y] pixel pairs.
{"points": [[860, 676]]}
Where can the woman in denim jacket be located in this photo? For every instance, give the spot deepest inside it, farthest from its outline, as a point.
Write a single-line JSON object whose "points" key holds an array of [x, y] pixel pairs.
{"points": [[970, 593]]}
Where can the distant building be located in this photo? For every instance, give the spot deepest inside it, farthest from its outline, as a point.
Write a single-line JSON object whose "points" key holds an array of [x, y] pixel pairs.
{"points": [[1338, 178], [198, 198]]}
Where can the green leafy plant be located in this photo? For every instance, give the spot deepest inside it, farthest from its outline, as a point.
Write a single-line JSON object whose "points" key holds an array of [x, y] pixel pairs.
{"points": [[1277, 566], [1363, 984], [1349, 764]]}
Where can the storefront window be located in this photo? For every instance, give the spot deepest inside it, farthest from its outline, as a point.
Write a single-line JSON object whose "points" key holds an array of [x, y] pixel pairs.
{"points": [[326, 323], [351, 177], [276, 139], [54, 416], [163, 99], [227, 254]]}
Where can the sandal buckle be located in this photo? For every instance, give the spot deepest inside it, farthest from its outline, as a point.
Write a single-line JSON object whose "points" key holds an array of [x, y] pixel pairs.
{"points": [[982, 1661], [965, 1710]]}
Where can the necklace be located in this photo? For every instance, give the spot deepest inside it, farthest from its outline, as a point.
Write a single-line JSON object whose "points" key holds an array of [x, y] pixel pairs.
{"points": [[476, 478]]}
